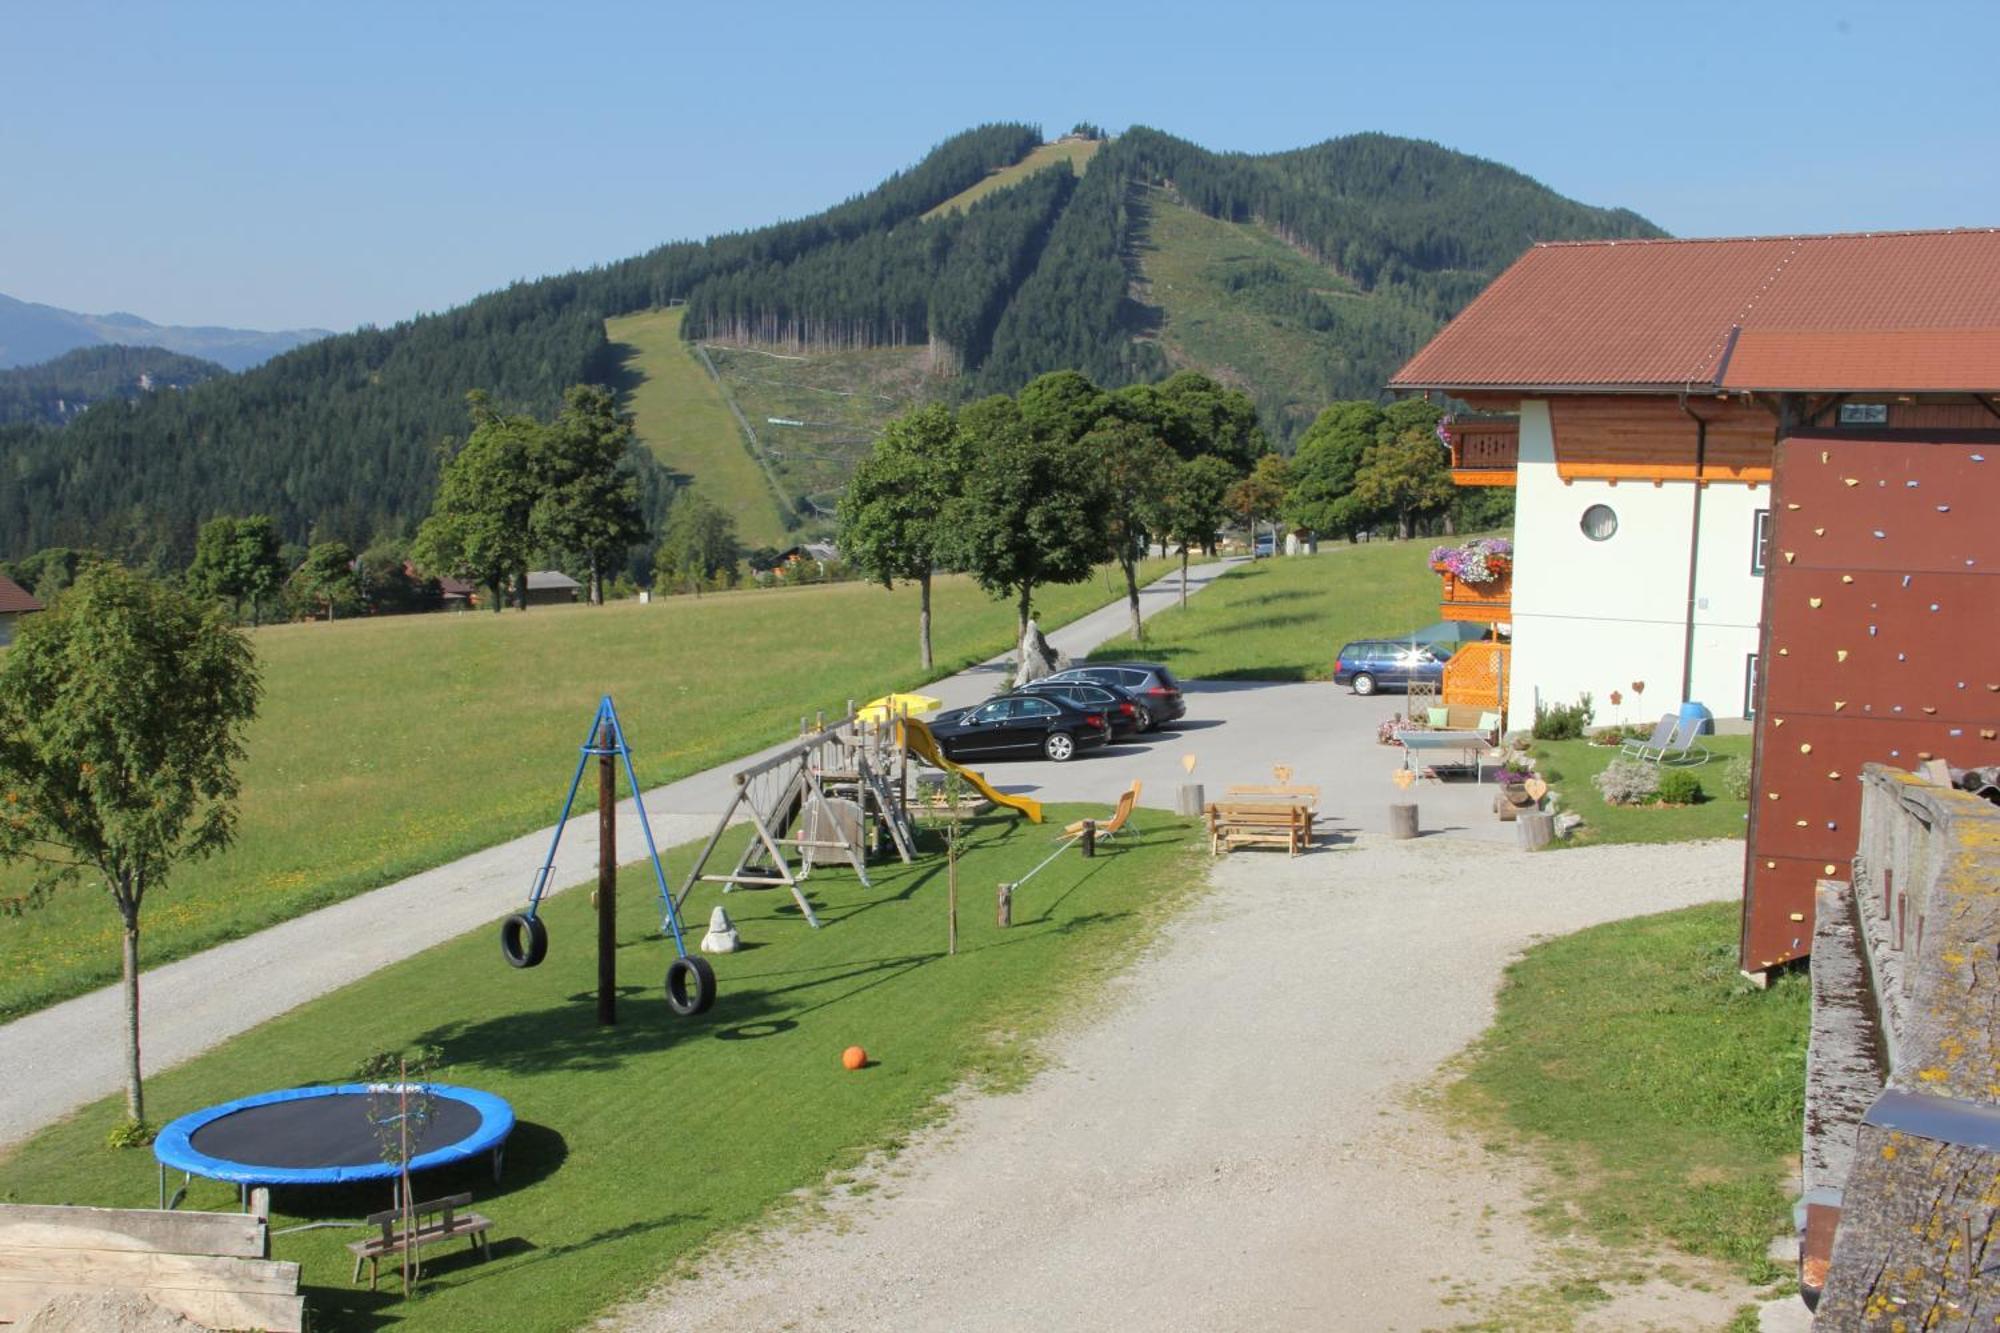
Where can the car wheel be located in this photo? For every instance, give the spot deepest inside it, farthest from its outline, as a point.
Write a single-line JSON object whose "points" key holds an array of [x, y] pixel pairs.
{"points": [[1364, 684], [1060, 747], [1147, 722]]}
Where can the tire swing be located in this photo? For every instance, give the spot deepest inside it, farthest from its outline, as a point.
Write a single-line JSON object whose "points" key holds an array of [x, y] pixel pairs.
{"points": [[524, 936]]}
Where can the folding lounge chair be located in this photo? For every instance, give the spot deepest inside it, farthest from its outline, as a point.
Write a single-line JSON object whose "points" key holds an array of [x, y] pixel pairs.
{"points": [[1684, 749], [1108, 829], [1655, 745]]}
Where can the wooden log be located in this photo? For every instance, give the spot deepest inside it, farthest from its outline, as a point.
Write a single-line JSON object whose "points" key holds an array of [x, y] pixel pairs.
{"points": [[68, 1227], [1005, 911], [1088, 841], [1188, 800], [1402, 821], [1536, 828]]}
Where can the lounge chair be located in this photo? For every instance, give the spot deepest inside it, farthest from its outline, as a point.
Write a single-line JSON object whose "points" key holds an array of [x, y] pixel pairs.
{"points": [[1655, 745], [1108, 829], [1684, 748]]}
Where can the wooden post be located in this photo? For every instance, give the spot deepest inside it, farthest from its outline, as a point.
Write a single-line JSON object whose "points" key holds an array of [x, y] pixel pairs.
{"points": [[1536, 828], [1089, 840], [1188, 800], [1005, 915], [1402, 821], [951, 895], [607, 881]]}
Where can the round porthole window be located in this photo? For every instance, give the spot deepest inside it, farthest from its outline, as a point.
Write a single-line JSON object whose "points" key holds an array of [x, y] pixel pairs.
{"points": [[1599, 522]]}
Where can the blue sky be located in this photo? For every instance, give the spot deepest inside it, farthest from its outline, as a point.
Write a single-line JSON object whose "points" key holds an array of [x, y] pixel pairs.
{"points": [[279, 164]]}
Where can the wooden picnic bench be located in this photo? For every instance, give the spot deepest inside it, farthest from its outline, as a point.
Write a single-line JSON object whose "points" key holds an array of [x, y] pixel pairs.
{"points": [[1239, 823], [1297, 793], [449, 1224]]}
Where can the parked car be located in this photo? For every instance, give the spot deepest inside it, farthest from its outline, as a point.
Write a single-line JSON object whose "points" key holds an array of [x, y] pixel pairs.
{"points": [[1148, 682], [1265, 544], [1124, 712], [1021, 726], [1368, 665]]}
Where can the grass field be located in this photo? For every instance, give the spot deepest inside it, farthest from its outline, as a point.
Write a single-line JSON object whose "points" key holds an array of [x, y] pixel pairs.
{"points": [[637, 1143], [681, 416], [1229, 297], [1571, 766], [1664, 1091], [388, 746], [1076, 152], [1286, 618]]}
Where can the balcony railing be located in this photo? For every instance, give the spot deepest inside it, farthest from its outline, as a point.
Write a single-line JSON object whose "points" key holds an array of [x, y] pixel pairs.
{"points": [[1485, 453], [1488, 602]]}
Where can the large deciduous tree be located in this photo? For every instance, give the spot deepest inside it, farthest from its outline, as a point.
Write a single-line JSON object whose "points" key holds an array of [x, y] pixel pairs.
{"points": [[1134, 471], [1260, 497], [1330, 454], [1195, 506], [237, 559], [892, 523], [326, 580], [122, 712], [1407, 478], [481, 524], [699, 545], [587, 507]]}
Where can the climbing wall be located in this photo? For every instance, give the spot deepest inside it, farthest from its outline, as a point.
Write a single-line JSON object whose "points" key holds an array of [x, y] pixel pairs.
{"points": [[1477, 675], [1881, 642]]}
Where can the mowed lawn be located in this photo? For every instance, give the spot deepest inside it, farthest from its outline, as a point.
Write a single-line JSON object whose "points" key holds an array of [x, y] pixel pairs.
{"points": [[388, 746], [637, 1143], [1571, 767], [1286, 617], [680, 414]]}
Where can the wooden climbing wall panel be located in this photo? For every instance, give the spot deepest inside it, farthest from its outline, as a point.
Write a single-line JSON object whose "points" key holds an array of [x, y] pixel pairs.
{"points": [[1881, 641], [1476, 676]]}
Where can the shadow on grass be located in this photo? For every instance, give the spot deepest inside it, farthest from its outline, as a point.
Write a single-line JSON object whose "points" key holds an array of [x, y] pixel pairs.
{"points": [[534, 1152]]}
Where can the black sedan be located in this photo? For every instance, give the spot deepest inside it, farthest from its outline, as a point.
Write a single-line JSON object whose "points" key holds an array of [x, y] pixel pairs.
{"points": [[1126, 714], [1021, 726], [1149, 682]]}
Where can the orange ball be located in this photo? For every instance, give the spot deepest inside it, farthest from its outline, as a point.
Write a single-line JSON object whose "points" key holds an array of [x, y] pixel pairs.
{"points": [[853, 1057]]}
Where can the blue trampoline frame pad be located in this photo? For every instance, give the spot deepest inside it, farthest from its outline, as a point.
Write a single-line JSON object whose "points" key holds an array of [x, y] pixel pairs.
{"points": [[174, 1147]]}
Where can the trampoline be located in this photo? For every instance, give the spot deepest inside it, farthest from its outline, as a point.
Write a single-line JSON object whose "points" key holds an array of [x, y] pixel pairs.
{"points": [[323, 1136]]}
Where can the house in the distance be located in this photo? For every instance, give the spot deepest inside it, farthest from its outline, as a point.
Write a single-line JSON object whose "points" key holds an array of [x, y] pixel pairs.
{"points": [[1761, 475], [550, 587], [15, 602]]}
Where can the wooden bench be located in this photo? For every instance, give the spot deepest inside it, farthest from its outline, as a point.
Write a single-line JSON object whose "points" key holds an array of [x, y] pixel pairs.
{"points": [[450, 1224], [1233, 824], [1298, 794]]}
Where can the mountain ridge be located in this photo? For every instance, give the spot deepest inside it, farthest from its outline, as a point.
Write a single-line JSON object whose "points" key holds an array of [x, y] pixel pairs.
{"points": [[32, 333]]}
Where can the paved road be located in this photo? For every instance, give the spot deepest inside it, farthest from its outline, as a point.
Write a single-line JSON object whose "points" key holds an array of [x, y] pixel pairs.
{"points": [[65, 1057]]}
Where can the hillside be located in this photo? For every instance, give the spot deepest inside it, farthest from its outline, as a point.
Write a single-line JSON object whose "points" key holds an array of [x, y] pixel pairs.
{"points": [[1300, 276], [31, 333], [55, 391]]}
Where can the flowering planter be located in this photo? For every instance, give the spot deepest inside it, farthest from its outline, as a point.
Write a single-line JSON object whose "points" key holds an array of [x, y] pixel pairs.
{"points": [[1495, 591]]}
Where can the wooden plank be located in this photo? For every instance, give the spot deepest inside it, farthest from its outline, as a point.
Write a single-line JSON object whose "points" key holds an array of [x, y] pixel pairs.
{"points": [[60, 1226], [20, 1299], [150, 1269]]}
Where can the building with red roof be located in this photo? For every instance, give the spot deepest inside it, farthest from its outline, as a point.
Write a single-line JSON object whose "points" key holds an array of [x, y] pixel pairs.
{"points": [[15, 602], [1756, 474]]}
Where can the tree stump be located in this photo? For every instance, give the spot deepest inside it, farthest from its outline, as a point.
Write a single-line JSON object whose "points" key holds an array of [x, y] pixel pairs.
{"points": [[1402, 821], [1536, 828], [1188, 800], [1004, 912]]}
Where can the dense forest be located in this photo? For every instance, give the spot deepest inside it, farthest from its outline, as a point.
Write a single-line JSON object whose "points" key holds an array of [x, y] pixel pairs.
{"points": [[55, 391], [341, 438]]}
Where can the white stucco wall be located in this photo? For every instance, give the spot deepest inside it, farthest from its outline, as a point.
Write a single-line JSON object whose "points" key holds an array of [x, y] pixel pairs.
{"points": [[1597, 617]]}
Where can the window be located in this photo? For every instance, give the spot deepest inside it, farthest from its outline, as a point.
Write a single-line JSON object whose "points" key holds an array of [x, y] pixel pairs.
{"points": [[1599, 523], [1760, 542], [1034, 708], [993, 712], [1750, 684]]}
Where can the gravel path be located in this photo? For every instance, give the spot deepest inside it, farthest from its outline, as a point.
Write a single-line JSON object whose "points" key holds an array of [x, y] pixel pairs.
{"points": [[1232, 1144], [70, 1054]]}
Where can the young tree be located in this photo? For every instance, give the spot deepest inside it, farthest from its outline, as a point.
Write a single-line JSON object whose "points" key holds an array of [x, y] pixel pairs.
{"points": [[699, 544], [892, 517], [1196, 506], [122, 713], [1408, 477], [481, 524], [326, 580], [1028, 514], [238, 558], [1261, 495], [1330, 453], [1134, 471], [588, 506]]}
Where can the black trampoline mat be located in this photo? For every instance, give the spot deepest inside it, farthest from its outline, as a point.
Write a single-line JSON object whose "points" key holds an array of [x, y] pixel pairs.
{"points": [[326, 1131]]}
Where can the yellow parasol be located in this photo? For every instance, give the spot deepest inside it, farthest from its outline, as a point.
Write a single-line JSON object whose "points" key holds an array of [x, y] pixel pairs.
{"points": [[897, 705]]}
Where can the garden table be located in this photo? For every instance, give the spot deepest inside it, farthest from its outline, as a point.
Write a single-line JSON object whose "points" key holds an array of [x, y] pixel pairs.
{"points": [[1473, 744]]}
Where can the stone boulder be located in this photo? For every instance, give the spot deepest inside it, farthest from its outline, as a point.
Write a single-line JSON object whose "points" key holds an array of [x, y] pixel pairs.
{"points": [[721, 936], [1036, 659]]}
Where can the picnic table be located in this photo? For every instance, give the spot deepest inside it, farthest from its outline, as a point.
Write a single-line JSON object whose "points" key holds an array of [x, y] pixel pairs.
{"points": [[1241, 823], [1474, 745]]}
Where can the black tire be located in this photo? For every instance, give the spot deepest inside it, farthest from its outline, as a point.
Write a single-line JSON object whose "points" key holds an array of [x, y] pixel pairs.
{"points": [[1364, 684], [690, 986], [524, 940], [1059, 747]]}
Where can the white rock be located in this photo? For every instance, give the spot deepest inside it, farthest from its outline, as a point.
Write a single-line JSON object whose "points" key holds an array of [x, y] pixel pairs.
{"points": [[721, 936]]}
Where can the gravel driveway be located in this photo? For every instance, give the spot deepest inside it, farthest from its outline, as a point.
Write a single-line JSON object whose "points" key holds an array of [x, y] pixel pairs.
{"points": [[1231, 1144]]}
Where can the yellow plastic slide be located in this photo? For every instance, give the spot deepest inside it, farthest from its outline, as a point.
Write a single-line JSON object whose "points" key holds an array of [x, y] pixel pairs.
{"points": [[917, 739]]}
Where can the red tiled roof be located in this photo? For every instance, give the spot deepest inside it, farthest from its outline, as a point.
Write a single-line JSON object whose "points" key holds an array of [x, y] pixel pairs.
{"points": [[1890, 311], [15, 598]]}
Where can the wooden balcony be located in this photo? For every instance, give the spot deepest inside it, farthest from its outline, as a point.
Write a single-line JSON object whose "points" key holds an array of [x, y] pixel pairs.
{"points": [[1486, 602], [1484, 453]]}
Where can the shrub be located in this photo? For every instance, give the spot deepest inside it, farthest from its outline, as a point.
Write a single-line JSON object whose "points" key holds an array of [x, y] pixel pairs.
{"points": [[1564, 722], [1678, 786], [1629, 782], [1736, 779]]}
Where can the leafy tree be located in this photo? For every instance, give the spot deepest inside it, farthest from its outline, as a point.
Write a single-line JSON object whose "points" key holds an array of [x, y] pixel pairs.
{"points": [[1260, 496], [238, 558], [1135, 469], [1205, 418], [389, 588], [1321, 495], [1195, 506], [1029, 511], [122, 713], [1062, 405], [892, 518], [588, 506], [481, 525], [49, 571], [699, 545], [326, 580], [1407, 478]]}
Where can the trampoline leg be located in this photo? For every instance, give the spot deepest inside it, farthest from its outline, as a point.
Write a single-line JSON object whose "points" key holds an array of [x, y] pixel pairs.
{"points": [[496, 1164], [163, 1187]]}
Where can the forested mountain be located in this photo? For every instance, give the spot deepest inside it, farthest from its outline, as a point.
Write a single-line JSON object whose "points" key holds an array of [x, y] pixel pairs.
{"points": [[31, 333], [55, 391], [1376, 241]]}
